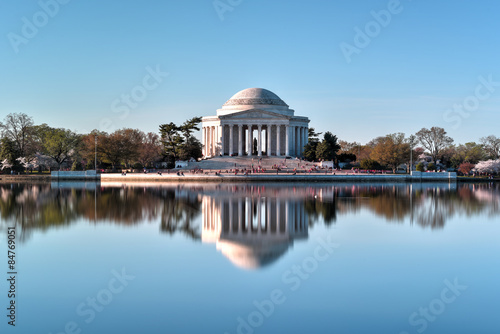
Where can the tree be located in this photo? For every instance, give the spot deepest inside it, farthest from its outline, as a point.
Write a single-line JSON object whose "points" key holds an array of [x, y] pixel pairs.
{"points": [[328, 148], [171, 140], [310, 151], [18, 127], [369, 164], [77, 165], [150, 149], [311, 146], [469, 152], [313, 135], [189, 126], [465, 168], [350, 151], [431, 166], [492, 146], [489, 166], [192, 148], [89, 144], [9, 154], [434, 140], [178, 143], [120, 146], [391, 150], [346, 157], [131, 140], [447, 156], [57, 143], [347, 147], [420, 167]]}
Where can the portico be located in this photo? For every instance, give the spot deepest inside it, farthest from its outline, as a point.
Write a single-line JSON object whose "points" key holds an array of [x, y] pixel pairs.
{"points": [[254, 122]]}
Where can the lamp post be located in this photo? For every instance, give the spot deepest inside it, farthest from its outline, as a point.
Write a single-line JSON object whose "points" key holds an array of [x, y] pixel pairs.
{"points": [[411, 140]]}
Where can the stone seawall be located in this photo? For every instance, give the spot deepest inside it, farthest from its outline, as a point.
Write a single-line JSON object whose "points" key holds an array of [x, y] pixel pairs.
{"points": [[25, 178], [421, 177], [76, 175], [211, 177]]}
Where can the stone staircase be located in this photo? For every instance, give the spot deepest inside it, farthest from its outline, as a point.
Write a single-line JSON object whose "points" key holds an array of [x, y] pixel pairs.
{"points": [[247, 162]]}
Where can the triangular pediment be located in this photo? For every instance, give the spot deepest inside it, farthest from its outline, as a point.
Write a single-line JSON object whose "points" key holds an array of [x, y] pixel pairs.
{"points": [[254, 114]]}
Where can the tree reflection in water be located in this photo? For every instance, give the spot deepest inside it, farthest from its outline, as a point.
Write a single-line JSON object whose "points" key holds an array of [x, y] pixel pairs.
{"points": [[178, 207]]}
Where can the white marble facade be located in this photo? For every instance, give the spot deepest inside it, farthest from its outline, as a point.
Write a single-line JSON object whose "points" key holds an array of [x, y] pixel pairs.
{"points": [[254, 114]]}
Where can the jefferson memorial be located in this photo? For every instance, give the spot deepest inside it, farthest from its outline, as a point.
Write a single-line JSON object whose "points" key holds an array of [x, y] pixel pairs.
{"points": [[254, 115]]}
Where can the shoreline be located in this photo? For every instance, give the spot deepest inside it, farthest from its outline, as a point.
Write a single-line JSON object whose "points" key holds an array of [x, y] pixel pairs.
{"points": [[222, 178], [211, 177]]}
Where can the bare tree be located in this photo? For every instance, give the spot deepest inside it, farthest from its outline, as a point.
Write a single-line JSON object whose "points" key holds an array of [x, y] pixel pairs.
{"points": [[434, 140], [18, 128], [492, 146], [150, 149]]}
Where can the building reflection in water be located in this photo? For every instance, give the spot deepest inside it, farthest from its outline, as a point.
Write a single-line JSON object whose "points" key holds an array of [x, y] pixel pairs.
{"points": [[253, 231]]}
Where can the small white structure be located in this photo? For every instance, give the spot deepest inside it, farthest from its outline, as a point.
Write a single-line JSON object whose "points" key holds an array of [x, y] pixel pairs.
{"points": [[181, 164], [327, 164], [254, 114]]}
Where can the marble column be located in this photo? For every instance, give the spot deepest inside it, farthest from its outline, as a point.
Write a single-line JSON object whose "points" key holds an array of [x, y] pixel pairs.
{"points": [[240, 140], [231, 141], [306, 135], [214, 141], [259, 140], [218, 139], [301, 136], [205, 141], [287, 142], [269, 140], [278, 144], [223, 140], [209, 141], [249, 141]]}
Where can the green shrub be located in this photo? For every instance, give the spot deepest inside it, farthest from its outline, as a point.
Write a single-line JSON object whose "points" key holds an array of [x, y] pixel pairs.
{"points": [[77, 165]]}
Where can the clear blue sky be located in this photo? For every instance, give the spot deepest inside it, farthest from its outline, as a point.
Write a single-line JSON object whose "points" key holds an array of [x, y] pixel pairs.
{"points": [[426, 59]]}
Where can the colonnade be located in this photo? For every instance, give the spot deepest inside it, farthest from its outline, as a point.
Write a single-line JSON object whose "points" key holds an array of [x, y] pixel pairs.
{"points": [[238, 139], [255, 216]]}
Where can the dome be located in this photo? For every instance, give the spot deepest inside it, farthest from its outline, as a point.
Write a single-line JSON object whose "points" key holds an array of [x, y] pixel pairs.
{"points": [[255, 97], [251, 255]]}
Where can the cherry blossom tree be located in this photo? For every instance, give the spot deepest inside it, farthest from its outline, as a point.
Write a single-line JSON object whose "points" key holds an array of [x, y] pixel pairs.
{"points": [[5, 164], [489, 166]]}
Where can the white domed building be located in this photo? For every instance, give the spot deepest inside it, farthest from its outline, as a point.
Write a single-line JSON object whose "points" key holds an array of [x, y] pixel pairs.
{"points": [[254, 114]]}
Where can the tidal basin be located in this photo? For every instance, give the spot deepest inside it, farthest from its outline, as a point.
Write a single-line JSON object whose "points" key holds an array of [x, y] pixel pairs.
{"points": [[253, 258]]}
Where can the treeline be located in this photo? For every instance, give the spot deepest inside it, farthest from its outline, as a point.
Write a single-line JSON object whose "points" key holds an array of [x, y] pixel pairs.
{"points": [[428, 149], [26, 146]]}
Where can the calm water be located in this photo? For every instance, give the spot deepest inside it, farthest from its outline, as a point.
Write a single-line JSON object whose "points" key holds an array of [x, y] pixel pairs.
{"points": [[253, 258]]}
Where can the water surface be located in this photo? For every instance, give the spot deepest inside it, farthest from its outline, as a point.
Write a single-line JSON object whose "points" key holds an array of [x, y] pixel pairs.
{"points": [[253, 258]]}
